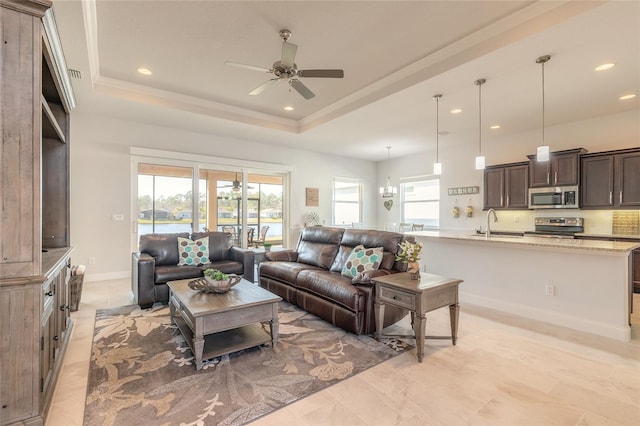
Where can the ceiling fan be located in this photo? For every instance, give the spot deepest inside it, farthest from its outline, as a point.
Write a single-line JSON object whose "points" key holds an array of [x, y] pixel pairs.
{"points": [[236, 185], [287, 69]]}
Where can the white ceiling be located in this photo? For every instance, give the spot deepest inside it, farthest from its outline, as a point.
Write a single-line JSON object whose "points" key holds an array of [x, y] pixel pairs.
{"points": [[395, 54]]}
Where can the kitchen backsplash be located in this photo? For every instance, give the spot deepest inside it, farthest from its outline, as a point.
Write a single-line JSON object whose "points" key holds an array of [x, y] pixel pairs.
{"points": [[626, 222], [597, 222]]}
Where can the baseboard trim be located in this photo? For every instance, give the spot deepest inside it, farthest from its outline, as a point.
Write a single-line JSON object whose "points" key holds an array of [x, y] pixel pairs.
{"points": [[107, 276], [562, 320]]}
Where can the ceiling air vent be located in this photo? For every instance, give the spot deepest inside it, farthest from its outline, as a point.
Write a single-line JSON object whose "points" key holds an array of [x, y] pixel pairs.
{"points": [[75, 74]]}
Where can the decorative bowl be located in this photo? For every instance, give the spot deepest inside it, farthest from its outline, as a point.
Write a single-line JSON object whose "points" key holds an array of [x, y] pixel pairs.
{"points": [[208, 285]]}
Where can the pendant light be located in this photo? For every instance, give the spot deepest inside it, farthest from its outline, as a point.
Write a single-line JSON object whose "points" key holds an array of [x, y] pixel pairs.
{"points": [[480, 158], [542, 153], [388, 191], [437, 166]]}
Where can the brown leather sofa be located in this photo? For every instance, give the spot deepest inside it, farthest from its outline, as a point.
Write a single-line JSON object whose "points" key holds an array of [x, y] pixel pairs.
{"points": [[157, 263], [310, 277]]}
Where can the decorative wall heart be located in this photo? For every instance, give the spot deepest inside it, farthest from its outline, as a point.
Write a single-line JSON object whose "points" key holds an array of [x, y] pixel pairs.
{"points": [[388, 204]]}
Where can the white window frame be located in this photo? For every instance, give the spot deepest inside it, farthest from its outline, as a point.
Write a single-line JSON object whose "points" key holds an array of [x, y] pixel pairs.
{"points": [[360, 184], [403, 202]]}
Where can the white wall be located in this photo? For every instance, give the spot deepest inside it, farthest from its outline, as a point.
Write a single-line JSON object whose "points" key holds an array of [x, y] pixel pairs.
{"points": [[100, 182], [599, 134], [100, 177]]}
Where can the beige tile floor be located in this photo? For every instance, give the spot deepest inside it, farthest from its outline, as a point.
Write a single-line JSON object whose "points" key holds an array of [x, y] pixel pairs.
{"points": [[504, 370]]}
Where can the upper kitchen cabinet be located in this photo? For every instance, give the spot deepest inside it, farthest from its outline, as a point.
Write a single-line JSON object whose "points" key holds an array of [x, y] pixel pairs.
{"points": [[610, 180], [505, 186], [563, 168]]}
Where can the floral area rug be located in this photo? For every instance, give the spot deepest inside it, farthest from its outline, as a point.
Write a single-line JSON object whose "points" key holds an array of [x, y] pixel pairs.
{"points": [[142, 371]]}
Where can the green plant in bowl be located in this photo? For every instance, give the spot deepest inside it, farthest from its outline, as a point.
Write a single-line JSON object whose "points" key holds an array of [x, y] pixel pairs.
{"points": [[215, 275]]}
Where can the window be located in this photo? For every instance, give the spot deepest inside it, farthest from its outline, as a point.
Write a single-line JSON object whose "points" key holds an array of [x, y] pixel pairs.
{"points": [[420, 199], [347, 201], [205, 193]]}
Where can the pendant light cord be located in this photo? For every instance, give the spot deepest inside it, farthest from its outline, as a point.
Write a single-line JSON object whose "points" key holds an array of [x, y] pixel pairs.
{"points": [[543, 102], [479, 83]]}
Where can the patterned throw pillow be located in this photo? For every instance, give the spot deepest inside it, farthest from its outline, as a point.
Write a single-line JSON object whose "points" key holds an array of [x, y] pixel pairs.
{"points": [[193, 253], [362, 260]]}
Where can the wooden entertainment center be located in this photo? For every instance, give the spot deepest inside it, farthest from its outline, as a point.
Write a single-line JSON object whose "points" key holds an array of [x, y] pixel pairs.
{"points": [[34, 222]]}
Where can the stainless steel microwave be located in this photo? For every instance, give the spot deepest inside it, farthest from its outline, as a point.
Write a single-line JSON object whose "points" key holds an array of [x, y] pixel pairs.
{"points": [[554, 197]]}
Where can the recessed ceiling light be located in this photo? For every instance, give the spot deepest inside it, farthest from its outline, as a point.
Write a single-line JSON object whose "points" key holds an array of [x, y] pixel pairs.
{"points": [[605, 67], [495, 126], [288, 108], [625, 97], [456, 111], [144, 71]]}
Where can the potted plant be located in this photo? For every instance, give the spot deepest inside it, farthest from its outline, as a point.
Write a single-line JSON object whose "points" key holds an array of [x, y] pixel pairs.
{"points": [[409, 253], [267, 247]]}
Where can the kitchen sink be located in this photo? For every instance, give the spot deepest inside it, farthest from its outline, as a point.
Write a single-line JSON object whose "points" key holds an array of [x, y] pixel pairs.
{"points": [[500, 234]]}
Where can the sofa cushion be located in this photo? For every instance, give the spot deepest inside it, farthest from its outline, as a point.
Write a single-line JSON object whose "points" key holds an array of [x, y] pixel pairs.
{"points": [[226, 266], [284, 271], [162, 247], [193, 252], [219, 244], [333, 287], [318, 245], [162, 274], [362, 260]]}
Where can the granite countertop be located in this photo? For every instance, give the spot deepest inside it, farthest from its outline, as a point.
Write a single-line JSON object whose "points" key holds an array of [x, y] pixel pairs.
{"points": [[541, 242], [625, 236]]}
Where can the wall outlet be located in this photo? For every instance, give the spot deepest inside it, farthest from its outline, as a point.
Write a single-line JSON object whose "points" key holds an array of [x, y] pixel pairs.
{"points": [[549, 290], [118, 217], [516, 219], [92, 261]]}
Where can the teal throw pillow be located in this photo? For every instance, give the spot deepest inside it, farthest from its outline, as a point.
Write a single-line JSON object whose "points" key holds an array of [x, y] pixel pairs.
{"points": [[362, 260], [193, 253]]}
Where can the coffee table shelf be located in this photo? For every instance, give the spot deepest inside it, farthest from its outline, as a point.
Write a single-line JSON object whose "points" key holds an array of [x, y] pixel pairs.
{"points": [[228, 341]]}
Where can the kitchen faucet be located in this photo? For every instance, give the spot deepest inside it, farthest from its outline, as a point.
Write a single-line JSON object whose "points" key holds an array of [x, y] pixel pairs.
{"points": [[495, 219]]}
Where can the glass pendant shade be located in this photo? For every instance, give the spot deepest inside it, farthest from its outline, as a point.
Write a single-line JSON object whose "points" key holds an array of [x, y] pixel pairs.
{"points": [[388, 190], [542, 153], [480, 162], [437, 168]]}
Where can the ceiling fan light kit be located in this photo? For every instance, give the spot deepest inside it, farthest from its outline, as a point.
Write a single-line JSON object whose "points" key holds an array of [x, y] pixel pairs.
{"points": [[287, 69]]}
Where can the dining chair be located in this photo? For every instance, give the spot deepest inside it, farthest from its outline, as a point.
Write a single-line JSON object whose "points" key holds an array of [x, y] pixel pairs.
{"points": [[262, 236], [405, 227], [417, 227]]}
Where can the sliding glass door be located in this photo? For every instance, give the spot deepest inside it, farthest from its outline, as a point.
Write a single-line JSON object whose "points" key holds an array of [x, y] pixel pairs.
{"points": [[248, 205]]}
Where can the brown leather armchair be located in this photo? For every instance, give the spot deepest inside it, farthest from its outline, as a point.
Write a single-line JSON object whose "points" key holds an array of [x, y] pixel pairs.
{"points": [[157, 263]]}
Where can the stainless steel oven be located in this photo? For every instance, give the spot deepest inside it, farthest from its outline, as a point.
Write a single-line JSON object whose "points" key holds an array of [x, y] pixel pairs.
{"points": [[554, 197], [557, 227]]}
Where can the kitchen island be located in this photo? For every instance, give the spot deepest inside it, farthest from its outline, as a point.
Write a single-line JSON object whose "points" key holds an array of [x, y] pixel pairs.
{"points": [[579, 284]]}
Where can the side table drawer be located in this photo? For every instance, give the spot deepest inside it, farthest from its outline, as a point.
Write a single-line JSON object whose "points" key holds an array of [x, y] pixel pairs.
{"points": [[397, 297]]}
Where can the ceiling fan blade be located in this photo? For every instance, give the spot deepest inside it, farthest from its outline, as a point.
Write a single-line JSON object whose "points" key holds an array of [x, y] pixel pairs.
{"points": [[248, 67], [301, 88], [263, 86], [288, 54], [321, 73]]}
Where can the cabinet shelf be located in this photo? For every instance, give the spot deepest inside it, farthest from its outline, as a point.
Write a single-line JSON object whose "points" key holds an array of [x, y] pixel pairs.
{"points": [[51, 129]]}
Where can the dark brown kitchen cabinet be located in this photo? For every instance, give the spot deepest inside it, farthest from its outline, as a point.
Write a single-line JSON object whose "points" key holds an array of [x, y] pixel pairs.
{"points": [[636, 271], [610, 180], [505, 186], [563, 168]]}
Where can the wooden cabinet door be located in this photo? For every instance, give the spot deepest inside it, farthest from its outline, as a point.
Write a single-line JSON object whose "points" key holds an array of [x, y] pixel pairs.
{"points": [[597, 182], [19, 352], [20, 150], [627, 179], [539, 173], [564, 169], [516, 187], [494, 188]]}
